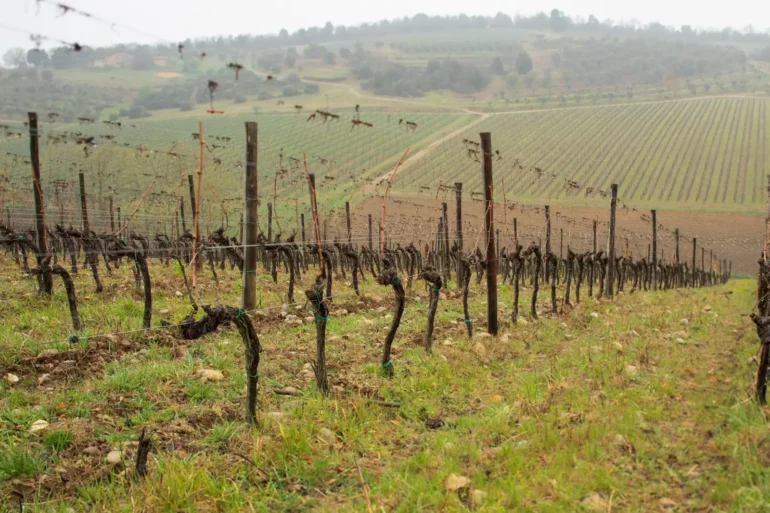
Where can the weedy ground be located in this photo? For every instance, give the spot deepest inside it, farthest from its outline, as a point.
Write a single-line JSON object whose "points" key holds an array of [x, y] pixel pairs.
{"points": [[637, 404]]}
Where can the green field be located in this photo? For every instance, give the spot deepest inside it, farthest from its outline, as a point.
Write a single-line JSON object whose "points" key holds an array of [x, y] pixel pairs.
{"points": [[702, 154], [615, 403]]}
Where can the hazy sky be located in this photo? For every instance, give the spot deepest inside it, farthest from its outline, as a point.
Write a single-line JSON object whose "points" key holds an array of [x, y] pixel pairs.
{"points": [[151, 21]]}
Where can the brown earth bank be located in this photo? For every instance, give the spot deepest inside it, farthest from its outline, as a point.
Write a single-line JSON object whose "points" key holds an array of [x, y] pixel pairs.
{"points": [[731, 236]]}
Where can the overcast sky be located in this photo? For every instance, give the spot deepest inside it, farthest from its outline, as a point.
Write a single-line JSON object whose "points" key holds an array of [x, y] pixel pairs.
{"points": [[152, 21]]}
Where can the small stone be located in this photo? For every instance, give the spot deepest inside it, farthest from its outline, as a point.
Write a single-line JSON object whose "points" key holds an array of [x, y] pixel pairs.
{"points": [[11, 378], [60, 470], [341, 311], [210, 375], [276, 415], [618, 347], [178, 294], [114, 457], [338, 389], [594, 315], [684, 322], [380, 309], [631, 370], [47, 353], [596, 349], [327, 435], [666, 503], [480, 350], [448, 342], [290, 317], [455, 482], [569, 336], [482, 334], [505, 338], [308, 365], [496, 398], [594, 502], [478, 497], [680, 341], [291, 391], [165, 311], [309, 319], [91, 451], [376, 299], [38, 425], [633, 333], [563, 325], [522, 322], [366, 322], [335, 338], [444, 358], [620, 440], [706, 309]]}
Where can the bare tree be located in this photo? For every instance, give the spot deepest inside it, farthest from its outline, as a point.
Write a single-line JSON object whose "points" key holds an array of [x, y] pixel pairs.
{"points": [[15, 57]]}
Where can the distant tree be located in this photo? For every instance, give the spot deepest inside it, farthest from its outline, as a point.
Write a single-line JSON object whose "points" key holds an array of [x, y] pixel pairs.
{"points": [[239, 98], [556, 59], [630, 93], [578, 98], [330, 58], [47, 75], [693, 89], [497, 66], [345, 53], [433, 66], [283, 34], [15, 57], [530, 79], [62, 58], [707, 87], [38, 57], [290, 61], [185, 106], [512, 80], [558, 22], [290, 91], [523, 63], [501, 20]]}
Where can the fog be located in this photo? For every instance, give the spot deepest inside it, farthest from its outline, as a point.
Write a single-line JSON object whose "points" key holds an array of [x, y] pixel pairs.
{"points": [[154, 21]]}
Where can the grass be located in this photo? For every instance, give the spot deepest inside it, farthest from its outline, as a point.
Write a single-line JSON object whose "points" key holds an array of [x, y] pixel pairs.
{"points": [[557, 415]]}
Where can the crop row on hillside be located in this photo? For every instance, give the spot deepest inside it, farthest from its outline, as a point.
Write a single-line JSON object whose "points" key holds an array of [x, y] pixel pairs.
{"points": [[706, 153]]}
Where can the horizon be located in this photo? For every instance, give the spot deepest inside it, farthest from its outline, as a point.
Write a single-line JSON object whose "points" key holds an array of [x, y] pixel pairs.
{"points": [[112, 26]]}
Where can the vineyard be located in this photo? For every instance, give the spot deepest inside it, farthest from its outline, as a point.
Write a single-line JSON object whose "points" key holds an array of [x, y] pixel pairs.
{"points": [[210, 322], [700, 154]]}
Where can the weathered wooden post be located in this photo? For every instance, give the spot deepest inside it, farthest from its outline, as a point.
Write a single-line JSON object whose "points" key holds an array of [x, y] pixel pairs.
{"points": [[515, 234], [678, 274], [694, 263], [371, 243], [489, 228], [611, 242], [654, 249], [445, 235], [561, 243], [89, 249], [112, 217], [191, 183], [347, 220], [459, 230], [181, 215], [43, 259], [249, 242], [118, 210], [302, 224], [547, 242]]}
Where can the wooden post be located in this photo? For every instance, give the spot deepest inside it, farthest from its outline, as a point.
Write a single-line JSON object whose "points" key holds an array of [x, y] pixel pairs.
{"points": [[240, 229], [192, 194], [489, 228], [676, 236], [515, 234], [112, 217], [711, 265], [447, 274], [347, 221], [250, 202], [610, 280], [181, 214], [561, 243], [459, 230], [371, 245], [118, 209], [694, 266], [703, 259], [302, 223], [43, 260], [314, 207], [269, 222], [594, 239], [766, 252], [547, 232], [654, 249], [197, 206], [83, 204]]}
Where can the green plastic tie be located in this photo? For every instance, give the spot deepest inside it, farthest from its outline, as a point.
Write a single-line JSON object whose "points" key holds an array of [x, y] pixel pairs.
{"points": [[73, 339], [240, 314], [319, 318], [250, 271], [435, 290], [467, 321], [398, 281], [386, 364], [256, 374]]}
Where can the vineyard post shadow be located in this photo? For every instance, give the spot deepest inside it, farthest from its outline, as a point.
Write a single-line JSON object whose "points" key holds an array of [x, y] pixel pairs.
{"points": [[611, 242], [489, 228], [46, 279]]}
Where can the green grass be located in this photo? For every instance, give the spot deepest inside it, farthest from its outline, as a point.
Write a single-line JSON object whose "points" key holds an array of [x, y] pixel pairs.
{"points": [[543, 418]]}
